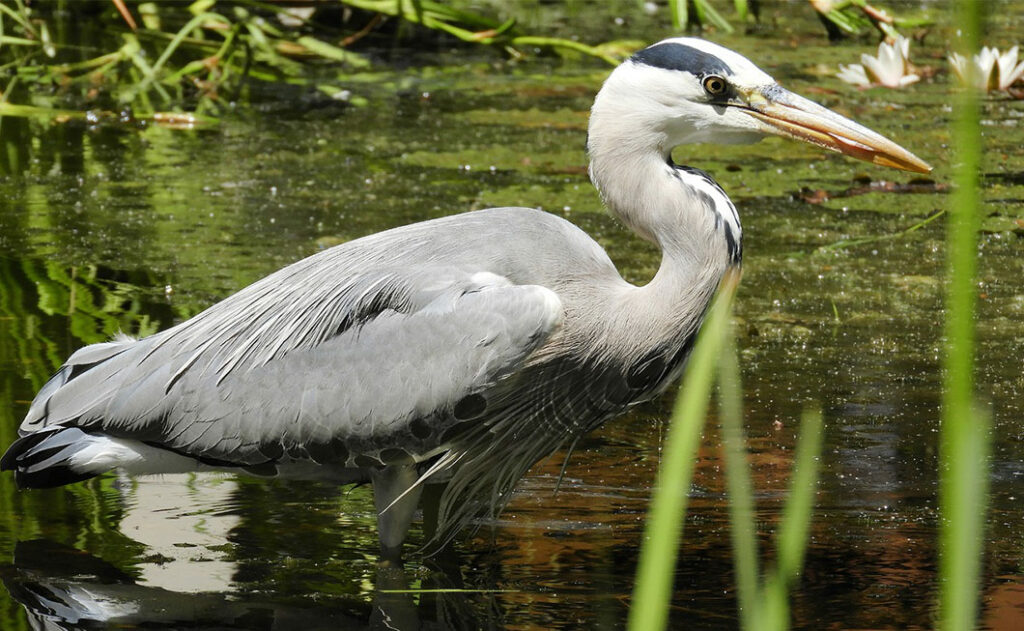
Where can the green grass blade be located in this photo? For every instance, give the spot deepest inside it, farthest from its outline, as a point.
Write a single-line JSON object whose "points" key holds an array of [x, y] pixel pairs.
{"points": [[742, 8], [334, 53], [741, 494], [708, 15], [652, 591], [680, 11], [556, 42], [151, 72], [844, 243], [10, 40], [791, 540], [796, 516], [18, 17], [964, 437], [30, 111]]}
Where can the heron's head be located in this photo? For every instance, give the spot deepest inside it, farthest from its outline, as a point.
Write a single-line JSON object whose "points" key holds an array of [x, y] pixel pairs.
{"points": [[687, 90]]}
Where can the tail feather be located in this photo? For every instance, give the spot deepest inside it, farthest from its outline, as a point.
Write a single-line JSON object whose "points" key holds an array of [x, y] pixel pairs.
{"points": [[46, 459]]}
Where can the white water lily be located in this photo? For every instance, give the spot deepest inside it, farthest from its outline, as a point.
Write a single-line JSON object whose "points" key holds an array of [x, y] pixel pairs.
{"points": [[992, 70], [854, 74], [891, 68]]}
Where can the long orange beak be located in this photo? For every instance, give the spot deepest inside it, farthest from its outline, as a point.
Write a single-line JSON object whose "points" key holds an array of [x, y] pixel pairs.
{"points": [[784, 113]]}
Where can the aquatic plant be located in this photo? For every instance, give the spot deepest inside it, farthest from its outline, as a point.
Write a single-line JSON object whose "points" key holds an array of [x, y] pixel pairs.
{"points": [[891, 68], [851, 17], [704, 13], [204, 56], [841, 17], [992, 71], [670, 494], [127, 60]]}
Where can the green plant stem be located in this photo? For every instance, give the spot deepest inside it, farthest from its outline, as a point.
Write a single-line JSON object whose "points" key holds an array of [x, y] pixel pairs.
{"points": [[555, 42], [10, 40], [680, 11], [741, 494], [964, 436], [652, 590], [151, 75], [742, 9], [707, 14], [791, 540], [885, 237], [19, 17], [791, 543], [10, 109]]}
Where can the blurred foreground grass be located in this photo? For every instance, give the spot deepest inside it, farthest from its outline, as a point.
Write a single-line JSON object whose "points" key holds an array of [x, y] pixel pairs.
{"points": [[964, 445]]}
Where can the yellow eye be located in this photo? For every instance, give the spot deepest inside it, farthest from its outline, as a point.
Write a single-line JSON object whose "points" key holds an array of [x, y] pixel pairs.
{"points": [[714, 85]]}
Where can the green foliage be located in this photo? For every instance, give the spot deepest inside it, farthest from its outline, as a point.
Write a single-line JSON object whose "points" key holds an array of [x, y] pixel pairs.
{"points": [[704, 13], [851, 17], [964, 442], [203, 56], [153, 62]]}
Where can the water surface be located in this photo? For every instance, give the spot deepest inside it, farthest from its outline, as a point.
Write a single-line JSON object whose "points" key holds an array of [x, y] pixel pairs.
{"points": [[112, 228]]}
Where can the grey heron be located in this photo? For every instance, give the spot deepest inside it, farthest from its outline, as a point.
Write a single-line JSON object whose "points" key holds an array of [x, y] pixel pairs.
{"points": [[455, 352]]}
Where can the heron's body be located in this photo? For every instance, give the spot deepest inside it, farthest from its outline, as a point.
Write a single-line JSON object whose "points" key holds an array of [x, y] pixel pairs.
{"points": [[457, 351]]}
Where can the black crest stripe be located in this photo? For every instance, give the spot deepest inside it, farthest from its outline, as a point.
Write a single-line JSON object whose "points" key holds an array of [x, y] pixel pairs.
{"points": [[673, 56]]}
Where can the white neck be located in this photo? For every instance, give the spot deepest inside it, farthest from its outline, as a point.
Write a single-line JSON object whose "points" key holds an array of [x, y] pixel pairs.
{"points": [[686, 215]]}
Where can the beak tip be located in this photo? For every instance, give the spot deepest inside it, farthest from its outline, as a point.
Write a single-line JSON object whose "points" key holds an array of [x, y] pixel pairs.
{"points": [[907, 162], [918, 165], [923, 167]]}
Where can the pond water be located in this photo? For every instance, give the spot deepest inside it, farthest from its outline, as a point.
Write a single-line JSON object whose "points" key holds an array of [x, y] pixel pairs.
{"points": [[114, 228]]}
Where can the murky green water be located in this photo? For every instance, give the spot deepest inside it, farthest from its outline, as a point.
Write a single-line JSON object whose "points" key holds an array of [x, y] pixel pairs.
{"points": [[106, 229]]}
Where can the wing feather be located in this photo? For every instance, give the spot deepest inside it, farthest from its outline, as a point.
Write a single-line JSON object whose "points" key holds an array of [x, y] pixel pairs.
{"points": [[406, 345]]}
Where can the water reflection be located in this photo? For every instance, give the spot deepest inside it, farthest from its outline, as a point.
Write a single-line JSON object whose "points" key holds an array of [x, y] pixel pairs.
{"points": [[64, 588], [183, 520], [196, 565]]}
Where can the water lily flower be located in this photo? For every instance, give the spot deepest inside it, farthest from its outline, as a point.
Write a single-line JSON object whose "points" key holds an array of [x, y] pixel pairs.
{"points": [[294, 17], [891, 68], [992, 71]]}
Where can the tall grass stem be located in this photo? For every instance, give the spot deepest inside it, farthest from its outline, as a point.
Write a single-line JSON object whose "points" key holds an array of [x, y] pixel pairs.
{"points": [[964, 437], [739, 485], [653, 587]]}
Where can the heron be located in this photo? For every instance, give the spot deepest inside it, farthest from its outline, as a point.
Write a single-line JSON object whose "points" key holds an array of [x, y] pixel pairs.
{"points": [[451, 354]]}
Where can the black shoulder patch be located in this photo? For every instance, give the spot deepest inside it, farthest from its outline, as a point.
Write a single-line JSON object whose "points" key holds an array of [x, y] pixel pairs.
{"points": [[673, 56], [704, 175]]}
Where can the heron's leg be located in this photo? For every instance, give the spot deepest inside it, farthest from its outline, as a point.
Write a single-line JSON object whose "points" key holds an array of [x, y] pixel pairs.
{"points": [[393, 514], [431, 502]]}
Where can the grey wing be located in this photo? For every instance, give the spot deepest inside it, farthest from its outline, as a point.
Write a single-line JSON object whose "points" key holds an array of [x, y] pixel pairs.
{"points": [[384, 391], [389, 356]]}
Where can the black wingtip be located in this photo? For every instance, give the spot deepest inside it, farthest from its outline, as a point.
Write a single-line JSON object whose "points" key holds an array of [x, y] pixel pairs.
{"points": [[24, 452], [49, 478], [9, 461]]}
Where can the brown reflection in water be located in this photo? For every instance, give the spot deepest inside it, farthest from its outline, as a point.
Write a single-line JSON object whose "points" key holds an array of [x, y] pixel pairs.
{"points": [[1004, 604]]}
